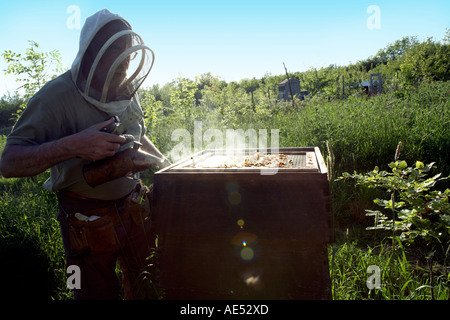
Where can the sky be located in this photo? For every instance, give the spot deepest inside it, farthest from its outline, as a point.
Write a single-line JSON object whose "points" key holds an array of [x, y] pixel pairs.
{"points": [[230, 39]]}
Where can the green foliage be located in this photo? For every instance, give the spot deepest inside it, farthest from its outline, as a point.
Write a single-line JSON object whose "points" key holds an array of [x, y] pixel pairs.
{"points": [[400, 278], [419, 213], [395, 51], [182, 98], [429, 61], [32, 69], [9, 104], [250, 85], [446, 39], [151, 107], [2, 142], [31, 248]]}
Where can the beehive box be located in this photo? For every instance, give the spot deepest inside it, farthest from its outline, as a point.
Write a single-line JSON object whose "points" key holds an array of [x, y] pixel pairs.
{"points": [[230, 227]]}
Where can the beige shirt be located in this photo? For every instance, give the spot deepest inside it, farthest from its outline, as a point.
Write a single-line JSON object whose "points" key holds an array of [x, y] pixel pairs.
{"points": [[58, 110]]}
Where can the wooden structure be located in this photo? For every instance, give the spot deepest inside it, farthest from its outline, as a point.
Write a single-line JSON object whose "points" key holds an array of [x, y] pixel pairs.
{"points": [[374, 86], [243, 233], [284, 92], [286, 87]]}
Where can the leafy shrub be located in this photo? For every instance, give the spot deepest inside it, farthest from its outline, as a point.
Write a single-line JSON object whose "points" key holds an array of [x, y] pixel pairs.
{"points": [[9, 105], [420, 214]]}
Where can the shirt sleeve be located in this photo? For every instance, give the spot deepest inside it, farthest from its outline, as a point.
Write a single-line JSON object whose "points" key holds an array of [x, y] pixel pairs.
{"points": [[38, 123]]}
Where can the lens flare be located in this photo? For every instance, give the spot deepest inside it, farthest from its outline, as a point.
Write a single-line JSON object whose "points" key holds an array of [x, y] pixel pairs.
{"points": [[235, 198], [247, 253]]}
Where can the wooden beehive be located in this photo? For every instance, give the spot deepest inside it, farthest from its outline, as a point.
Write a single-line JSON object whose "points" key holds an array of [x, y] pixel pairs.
{"points": [[228, 232]]}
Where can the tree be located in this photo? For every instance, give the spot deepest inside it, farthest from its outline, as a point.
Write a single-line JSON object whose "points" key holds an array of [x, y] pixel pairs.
{"points": [[396, 50], [250, 85], [446, 39], [391, 53], [152, 107], [430, 60], [33, 69], [182, 97], [207, 81]]}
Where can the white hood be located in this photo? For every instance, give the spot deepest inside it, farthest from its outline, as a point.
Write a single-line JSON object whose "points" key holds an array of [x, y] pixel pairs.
{"points": [[135, 55]]}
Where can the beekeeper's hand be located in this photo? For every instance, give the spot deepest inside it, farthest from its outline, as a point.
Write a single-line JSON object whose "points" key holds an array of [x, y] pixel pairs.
{"points": [[94, 144], [30, 160]]}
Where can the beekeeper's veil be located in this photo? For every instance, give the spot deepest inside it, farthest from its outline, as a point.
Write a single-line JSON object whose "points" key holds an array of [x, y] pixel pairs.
{"points": [[112, 62]]}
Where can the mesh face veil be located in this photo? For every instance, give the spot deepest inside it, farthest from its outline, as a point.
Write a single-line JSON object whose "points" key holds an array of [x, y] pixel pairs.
{"points": [[114, 65], [120, 68]]}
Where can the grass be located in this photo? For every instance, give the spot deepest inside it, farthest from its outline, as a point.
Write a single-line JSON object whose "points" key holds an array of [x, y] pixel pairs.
{"points": [[362, 133], [30, 243], [400, 278]]}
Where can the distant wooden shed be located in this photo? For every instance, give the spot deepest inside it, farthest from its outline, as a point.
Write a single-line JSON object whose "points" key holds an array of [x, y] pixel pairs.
{"points": [[285, 87], [374, 86]]}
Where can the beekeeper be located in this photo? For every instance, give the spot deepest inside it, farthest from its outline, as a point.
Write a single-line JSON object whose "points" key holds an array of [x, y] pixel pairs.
{"points": [[86, 114]]}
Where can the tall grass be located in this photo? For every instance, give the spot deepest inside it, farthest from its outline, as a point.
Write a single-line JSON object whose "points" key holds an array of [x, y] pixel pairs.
{"points": [[401, 279], [32, 257], [365, 131]]}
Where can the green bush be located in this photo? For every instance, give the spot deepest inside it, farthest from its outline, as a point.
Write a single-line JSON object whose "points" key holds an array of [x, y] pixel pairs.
{"points": [[31, 248], [9, 105], [421, 215]]}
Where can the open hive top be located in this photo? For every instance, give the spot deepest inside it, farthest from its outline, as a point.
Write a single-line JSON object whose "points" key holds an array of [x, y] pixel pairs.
{"points": [[288, 159]]}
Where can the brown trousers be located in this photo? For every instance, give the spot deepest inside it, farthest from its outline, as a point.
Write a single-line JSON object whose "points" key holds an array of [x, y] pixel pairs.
{"points": [[121, 232]]}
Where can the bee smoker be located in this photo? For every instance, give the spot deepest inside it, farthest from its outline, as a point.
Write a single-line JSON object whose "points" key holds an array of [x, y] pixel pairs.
{"points": [[128, 161]]}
